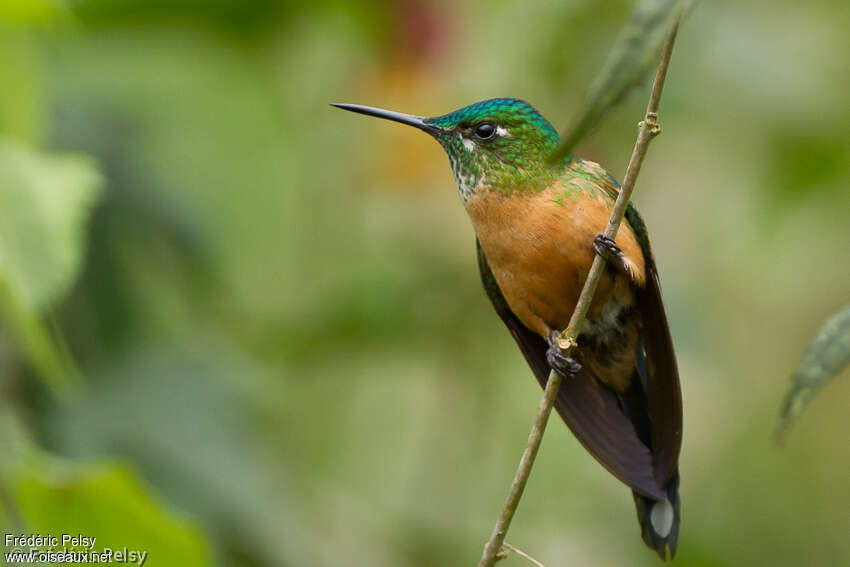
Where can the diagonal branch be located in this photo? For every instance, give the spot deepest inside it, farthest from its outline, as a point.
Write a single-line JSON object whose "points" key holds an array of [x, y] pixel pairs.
{"points": [[648, 128]]}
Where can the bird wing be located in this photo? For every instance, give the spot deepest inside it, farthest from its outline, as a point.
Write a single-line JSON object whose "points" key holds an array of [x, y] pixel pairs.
{"points": [[589, 408], [663, 391]]}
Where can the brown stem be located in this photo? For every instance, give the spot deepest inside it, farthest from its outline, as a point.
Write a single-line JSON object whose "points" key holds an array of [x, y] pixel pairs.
{"points": [[648, 128]]}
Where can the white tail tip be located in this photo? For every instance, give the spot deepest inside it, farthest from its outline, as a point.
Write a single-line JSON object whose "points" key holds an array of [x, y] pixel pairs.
{"points": [[661, 517]]}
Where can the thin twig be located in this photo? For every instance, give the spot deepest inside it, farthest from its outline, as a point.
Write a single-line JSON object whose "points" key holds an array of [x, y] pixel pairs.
{"points": [[647, 130], [521, 553]]}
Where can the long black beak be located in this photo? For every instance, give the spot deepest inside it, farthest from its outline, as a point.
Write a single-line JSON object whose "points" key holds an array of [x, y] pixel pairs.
{"points": [[409, 119]]}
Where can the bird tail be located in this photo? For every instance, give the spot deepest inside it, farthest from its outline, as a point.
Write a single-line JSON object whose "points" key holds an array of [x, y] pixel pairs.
{"points": [[659, 519]]}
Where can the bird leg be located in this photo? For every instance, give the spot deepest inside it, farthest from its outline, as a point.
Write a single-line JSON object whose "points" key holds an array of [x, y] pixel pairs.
{"points": [[564, 365]]}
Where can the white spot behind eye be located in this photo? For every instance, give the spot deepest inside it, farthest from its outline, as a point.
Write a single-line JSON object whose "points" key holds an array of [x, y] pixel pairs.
{"points": [[501, 131]]}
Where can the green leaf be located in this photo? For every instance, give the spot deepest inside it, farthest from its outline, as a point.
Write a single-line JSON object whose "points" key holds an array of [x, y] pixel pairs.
{"points": [[45, 201], [108, 502], [186, 407], [826, 356], [633, 54], [43, 494]]}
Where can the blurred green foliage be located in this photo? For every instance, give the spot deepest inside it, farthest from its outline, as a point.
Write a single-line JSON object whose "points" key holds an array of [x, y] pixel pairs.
{"points": [[45, 203], [827, 355], [107, 501], [634, 52], [283, 353]]}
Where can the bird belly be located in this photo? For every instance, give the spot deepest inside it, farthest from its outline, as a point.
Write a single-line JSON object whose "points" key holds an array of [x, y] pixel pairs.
{"points": [[540, 249]]}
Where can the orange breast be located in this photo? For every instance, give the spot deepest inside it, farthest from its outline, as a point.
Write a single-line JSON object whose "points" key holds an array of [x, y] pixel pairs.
{"points": [[540, 248]]}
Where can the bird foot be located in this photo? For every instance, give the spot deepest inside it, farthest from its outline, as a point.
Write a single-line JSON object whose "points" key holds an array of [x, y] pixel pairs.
{"points": [[564, 365], [609, 251]]}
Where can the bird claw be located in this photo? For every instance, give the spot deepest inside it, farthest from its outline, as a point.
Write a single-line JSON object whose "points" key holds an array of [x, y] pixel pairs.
{"points": [[608, 250], [606, 247], [564, 365]]}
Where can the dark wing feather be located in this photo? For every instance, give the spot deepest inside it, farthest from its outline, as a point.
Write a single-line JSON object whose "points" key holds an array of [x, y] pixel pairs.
{"points": [[590, 409], [663, 391]]}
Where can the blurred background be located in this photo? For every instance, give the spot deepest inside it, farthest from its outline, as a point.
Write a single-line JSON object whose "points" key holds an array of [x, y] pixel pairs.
{"points": [[241, 327]]}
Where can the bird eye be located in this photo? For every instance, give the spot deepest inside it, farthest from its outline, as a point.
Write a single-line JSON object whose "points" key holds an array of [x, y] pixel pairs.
{"points": [[485, 131]]}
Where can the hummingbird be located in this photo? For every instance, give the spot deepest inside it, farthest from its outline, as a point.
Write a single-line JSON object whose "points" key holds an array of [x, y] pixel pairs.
{"points": [[537, 222]]}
